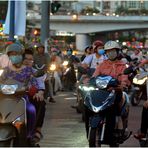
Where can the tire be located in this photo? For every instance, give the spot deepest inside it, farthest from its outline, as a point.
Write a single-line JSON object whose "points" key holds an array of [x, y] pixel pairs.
{"points": [[94, 138], [83, 116], [80, 107]]}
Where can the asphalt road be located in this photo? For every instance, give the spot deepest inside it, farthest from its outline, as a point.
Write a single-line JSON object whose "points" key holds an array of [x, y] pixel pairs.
{"points": [[63, 127]]}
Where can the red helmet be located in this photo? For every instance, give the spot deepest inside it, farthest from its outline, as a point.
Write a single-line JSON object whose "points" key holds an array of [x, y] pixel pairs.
{"points": [[98, 43]]}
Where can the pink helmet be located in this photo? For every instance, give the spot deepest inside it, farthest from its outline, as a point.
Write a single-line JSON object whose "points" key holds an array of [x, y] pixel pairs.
{"points": [[53, 49]]}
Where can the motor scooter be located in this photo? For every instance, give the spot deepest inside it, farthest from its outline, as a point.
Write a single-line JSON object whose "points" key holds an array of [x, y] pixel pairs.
{"points": [[13, 120], [141, 79], [69, 75], [139, 86], [99, 102]]}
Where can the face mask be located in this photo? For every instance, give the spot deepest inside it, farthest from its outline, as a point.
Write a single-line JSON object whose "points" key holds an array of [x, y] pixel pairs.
{"points": [[16, 59], [101, 52], [112, 55], [69, 53]]}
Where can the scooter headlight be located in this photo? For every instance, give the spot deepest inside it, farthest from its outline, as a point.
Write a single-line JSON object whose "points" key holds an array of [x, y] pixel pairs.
{"points": [[139, 82], [8, 89], [89, 88], [101, 84], [52, 67], [65, 63]]}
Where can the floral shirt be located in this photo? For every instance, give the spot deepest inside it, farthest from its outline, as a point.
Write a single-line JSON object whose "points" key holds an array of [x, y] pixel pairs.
{"points": [[23, 76]]}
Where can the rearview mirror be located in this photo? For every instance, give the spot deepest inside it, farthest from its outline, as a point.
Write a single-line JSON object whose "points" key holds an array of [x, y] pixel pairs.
{"points": [[128, 70]]}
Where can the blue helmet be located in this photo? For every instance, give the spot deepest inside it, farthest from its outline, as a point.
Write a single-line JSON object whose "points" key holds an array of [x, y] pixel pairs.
{"points": [[14, 47]]}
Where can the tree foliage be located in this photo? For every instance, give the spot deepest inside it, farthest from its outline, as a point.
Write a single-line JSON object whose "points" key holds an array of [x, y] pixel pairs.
{"points": [[89, 10]]}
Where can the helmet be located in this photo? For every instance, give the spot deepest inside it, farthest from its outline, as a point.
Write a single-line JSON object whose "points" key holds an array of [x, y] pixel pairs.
{"points": [[54, 49], [111, 45], [14, 47], [98, 43]]}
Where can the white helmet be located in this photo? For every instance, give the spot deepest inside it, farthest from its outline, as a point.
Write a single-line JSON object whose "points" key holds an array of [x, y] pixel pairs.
{"points": [[111, 45]]}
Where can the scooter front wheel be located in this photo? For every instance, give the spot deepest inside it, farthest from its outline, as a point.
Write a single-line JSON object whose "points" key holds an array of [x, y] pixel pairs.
{"points": [[93, 138]]}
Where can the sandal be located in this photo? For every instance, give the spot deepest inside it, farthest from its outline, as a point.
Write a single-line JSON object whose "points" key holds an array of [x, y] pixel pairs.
{"points": [[38, 136]]}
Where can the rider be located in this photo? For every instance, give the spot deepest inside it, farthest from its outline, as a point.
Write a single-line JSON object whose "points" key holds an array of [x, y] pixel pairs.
{"points": [[41, 59], [41, 62], [17, 71], [38, 103], [115, 68], [72, 60]]}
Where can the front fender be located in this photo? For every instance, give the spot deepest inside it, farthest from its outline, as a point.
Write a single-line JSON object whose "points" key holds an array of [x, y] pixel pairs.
{"points": [[95, 121], [7, 131]]}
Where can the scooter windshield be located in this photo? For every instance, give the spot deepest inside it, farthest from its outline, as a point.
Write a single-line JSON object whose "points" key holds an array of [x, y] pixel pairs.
{"points": [[99, 100]]}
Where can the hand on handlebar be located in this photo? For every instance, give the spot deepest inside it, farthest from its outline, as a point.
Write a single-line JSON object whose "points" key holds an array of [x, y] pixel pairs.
{"points": [[39, 96], [118, 88]]}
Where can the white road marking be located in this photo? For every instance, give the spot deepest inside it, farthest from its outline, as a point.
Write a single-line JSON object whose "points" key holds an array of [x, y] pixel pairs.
{"points": [[70, 98]]}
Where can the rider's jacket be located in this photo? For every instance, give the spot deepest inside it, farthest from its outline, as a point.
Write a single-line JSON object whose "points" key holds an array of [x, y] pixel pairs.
{"points": [[114, 69]]}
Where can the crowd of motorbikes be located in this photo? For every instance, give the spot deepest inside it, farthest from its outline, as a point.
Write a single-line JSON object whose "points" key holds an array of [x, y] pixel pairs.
{"points": [[93, 98]]}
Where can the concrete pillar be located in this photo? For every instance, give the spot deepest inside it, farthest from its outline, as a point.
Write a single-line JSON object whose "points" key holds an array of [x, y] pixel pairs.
{"points": [[82, 40], [45, 18]]}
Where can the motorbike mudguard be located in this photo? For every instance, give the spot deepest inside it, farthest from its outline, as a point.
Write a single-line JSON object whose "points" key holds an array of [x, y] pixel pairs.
{"points": [[94, 121], [7, 131]]}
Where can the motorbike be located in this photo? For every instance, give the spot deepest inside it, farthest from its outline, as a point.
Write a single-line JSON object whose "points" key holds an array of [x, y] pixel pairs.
{"points": [[139, 84], [69, 75], [13, 120], [141, 79], [99, 102]]}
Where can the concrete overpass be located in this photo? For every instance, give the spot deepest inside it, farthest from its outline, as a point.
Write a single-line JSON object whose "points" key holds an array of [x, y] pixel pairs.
{"points": [[82, 25]]}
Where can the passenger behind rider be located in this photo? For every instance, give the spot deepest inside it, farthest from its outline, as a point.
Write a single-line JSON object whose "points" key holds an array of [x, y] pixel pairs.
{"points": [[39, 103], [137, 54], [124, 56], [87, 51], [21, 73], [90, 62]]}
